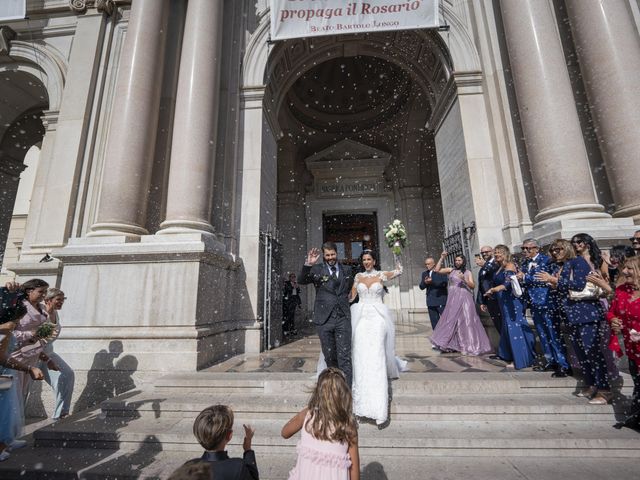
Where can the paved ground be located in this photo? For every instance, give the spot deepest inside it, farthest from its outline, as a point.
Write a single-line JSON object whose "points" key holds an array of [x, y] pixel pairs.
{"points": [[300, 354]]}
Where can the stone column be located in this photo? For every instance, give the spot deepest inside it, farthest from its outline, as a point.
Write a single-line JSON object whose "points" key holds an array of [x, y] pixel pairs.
{"points": [[608, 47], [129, 155], [195, 123], [553, 137]]}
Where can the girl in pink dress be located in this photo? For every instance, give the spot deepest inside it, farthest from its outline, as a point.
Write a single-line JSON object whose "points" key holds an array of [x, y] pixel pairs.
{"points": [[328, 446]]}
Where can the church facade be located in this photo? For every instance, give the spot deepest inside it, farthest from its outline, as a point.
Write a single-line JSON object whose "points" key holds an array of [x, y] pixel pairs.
{"points": [[166, 164]]}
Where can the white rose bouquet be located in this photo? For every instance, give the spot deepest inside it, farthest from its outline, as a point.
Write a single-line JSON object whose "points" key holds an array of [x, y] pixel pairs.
{"points": [[395, 234]]}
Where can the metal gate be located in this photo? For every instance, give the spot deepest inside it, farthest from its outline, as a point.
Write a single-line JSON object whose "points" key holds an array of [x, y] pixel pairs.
{"points": [[457, 241], [271, 285]]}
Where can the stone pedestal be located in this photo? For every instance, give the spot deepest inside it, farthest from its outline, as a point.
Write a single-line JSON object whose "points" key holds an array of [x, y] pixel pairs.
{"points": [[607, 232], [177, 294]]}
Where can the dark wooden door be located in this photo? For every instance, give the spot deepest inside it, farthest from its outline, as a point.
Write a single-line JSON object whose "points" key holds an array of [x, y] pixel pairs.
{"points": [[352, 233]]}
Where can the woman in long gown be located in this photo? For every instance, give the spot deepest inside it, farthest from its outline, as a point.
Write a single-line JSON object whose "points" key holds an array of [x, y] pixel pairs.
{"points": [[460, 328], [516, 339], [372, 341]]}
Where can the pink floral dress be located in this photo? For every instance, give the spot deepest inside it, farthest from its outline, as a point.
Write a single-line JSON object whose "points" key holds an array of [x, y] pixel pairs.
{"points": [[320, 459]]}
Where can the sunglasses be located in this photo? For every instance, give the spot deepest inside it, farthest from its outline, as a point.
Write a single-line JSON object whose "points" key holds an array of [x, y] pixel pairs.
{"points": [[576, 242], [634, 239], [486, 253], [555, 250], [528, 249]]}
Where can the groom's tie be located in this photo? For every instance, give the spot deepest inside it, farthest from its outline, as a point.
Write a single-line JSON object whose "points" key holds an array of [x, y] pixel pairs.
{"points": [[332, 271]]}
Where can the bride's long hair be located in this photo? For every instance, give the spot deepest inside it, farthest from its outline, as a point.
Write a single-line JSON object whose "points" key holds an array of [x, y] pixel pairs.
{"points": [[331, 409]]}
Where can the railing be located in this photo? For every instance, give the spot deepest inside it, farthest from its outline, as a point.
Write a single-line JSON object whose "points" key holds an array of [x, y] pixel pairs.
{"points": [[457, 241]]}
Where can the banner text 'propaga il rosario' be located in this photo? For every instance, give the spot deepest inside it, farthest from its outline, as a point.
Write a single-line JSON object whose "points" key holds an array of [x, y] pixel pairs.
{"points": [[308, 18]]}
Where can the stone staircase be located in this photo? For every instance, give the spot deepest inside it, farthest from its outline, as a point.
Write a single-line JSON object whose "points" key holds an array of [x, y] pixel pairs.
{"points": [[477, 425]]}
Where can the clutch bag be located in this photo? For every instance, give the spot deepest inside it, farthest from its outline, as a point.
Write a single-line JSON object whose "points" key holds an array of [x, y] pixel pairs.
{"points": [[5, 382], [590, 292], [516, 289]]}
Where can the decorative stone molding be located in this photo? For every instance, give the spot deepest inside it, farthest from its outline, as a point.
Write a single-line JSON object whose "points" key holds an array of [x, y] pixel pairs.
{"points": [[50, 120], [104, 6], [6, 35]]}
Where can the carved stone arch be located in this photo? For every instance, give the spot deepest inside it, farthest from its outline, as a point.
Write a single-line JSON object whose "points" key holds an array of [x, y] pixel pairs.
{"points": [[422, 54], [254, 66], [40, 61], [462, 48]]}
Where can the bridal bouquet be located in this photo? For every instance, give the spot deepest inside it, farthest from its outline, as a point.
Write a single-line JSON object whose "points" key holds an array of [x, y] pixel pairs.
{"points": [[395, 235]]}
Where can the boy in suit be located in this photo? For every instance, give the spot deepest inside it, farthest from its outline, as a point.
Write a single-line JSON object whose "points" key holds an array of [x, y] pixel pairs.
{"points": [[214, 428]]}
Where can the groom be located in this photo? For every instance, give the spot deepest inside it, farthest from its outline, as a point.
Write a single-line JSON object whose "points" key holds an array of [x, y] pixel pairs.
{"points": [[331, 313]]}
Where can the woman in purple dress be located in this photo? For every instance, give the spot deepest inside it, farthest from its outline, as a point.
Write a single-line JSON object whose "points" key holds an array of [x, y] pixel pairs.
{"points": [[459, 328]]}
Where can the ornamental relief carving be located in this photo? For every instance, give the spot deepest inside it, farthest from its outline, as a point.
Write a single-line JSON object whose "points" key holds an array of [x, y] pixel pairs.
{"points": [[104, 6]]}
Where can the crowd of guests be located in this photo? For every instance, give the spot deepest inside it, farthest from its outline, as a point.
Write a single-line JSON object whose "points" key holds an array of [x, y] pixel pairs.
{"points": [[29, 324], [579, 299]]}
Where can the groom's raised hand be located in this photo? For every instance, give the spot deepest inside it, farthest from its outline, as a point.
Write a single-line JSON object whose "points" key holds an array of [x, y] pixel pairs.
{"points": [[313, 256]]}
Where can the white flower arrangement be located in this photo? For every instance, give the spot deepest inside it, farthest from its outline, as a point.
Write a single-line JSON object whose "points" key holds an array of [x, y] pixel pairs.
{"points": [[395, 235]]}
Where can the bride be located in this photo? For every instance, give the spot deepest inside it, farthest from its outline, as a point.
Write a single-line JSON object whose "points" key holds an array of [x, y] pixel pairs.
{"points": [[372, 341]]}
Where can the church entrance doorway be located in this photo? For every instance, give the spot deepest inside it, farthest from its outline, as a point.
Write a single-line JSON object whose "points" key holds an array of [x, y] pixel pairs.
{"points": [[352, 233]]}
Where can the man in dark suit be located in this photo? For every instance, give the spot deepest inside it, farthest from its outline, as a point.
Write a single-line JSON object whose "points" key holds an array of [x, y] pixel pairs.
{"points": [[488, 268], [536, 295], [436, 285], [331, 313]]}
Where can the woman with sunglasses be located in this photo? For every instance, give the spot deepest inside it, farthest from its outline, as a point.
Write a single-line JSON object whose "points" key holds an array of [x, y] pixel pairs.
{"points": [[516, 338], [585, 317], [624, 315], [561, 251]]}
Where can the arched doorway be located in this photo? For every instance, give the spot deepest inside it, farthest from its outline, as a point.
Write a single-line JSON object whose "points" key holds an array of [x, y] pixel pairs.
{"points": [[23, 101], [443, 127], [356, 150]]}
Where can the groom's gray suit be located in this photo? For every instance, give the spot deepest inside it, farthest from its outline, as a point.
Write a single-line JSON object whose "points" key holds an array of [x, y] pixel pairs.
{"points": [[331, 313]]}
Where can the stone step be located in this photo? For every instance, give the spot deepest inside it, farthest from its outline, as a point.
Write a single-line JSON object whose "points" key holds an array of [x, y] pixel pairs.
{"points": [[408, 384], [409, 438], [151, 463], [485, 407]]}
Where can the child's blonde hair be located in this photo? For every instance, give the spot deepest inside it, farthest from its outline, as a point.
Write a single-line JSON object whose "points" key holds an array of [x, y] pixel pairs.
{"points": [[331, 409], [212, 426]]}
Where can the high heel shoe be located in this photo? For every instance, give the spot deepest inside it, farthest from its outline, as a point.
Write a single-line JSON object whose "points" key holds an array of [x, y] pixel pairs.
{"points": [[603, 397]]}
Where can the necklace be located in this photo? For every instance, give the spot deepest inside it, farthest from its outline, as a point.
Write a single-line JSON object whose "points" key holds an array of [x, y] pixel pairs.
{"points": [[369, 273]]}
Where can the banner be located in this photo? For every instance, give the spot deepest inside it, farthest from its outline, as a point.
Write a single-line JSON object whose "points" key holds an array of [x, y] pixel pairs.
{"points": [[13, 10], [309, 18]]}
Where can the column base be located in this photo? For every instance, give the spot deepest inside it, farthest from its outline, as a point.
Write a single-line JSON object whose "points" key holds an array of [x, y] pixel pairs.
{"points": [[169, 227], [632, 211], [116, 229], [591, 210], [607, 231], [172, 303]]}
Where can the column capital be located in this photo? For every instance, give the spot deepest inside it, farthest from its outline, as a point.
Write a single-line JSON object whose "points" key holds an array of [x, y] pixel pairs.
{"points": [[107, 7]]}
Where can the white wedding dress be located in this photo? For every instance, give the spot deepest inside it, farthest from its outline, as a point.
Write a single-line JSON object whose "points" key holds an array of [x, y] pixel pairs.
{"points": [[372, 347]]}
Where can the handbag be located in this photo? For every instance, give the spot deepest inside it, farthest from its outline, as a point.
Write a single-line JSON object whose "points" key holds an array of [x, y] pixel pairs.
{"points": [[591, 291], [5, 382], [516, 289]]}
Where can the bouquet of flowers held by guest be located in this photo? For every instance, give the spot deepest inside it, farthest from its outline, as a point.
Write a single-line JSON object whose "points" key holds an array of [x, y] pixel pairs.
{"points": [[395, 234], [46, 331]]}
